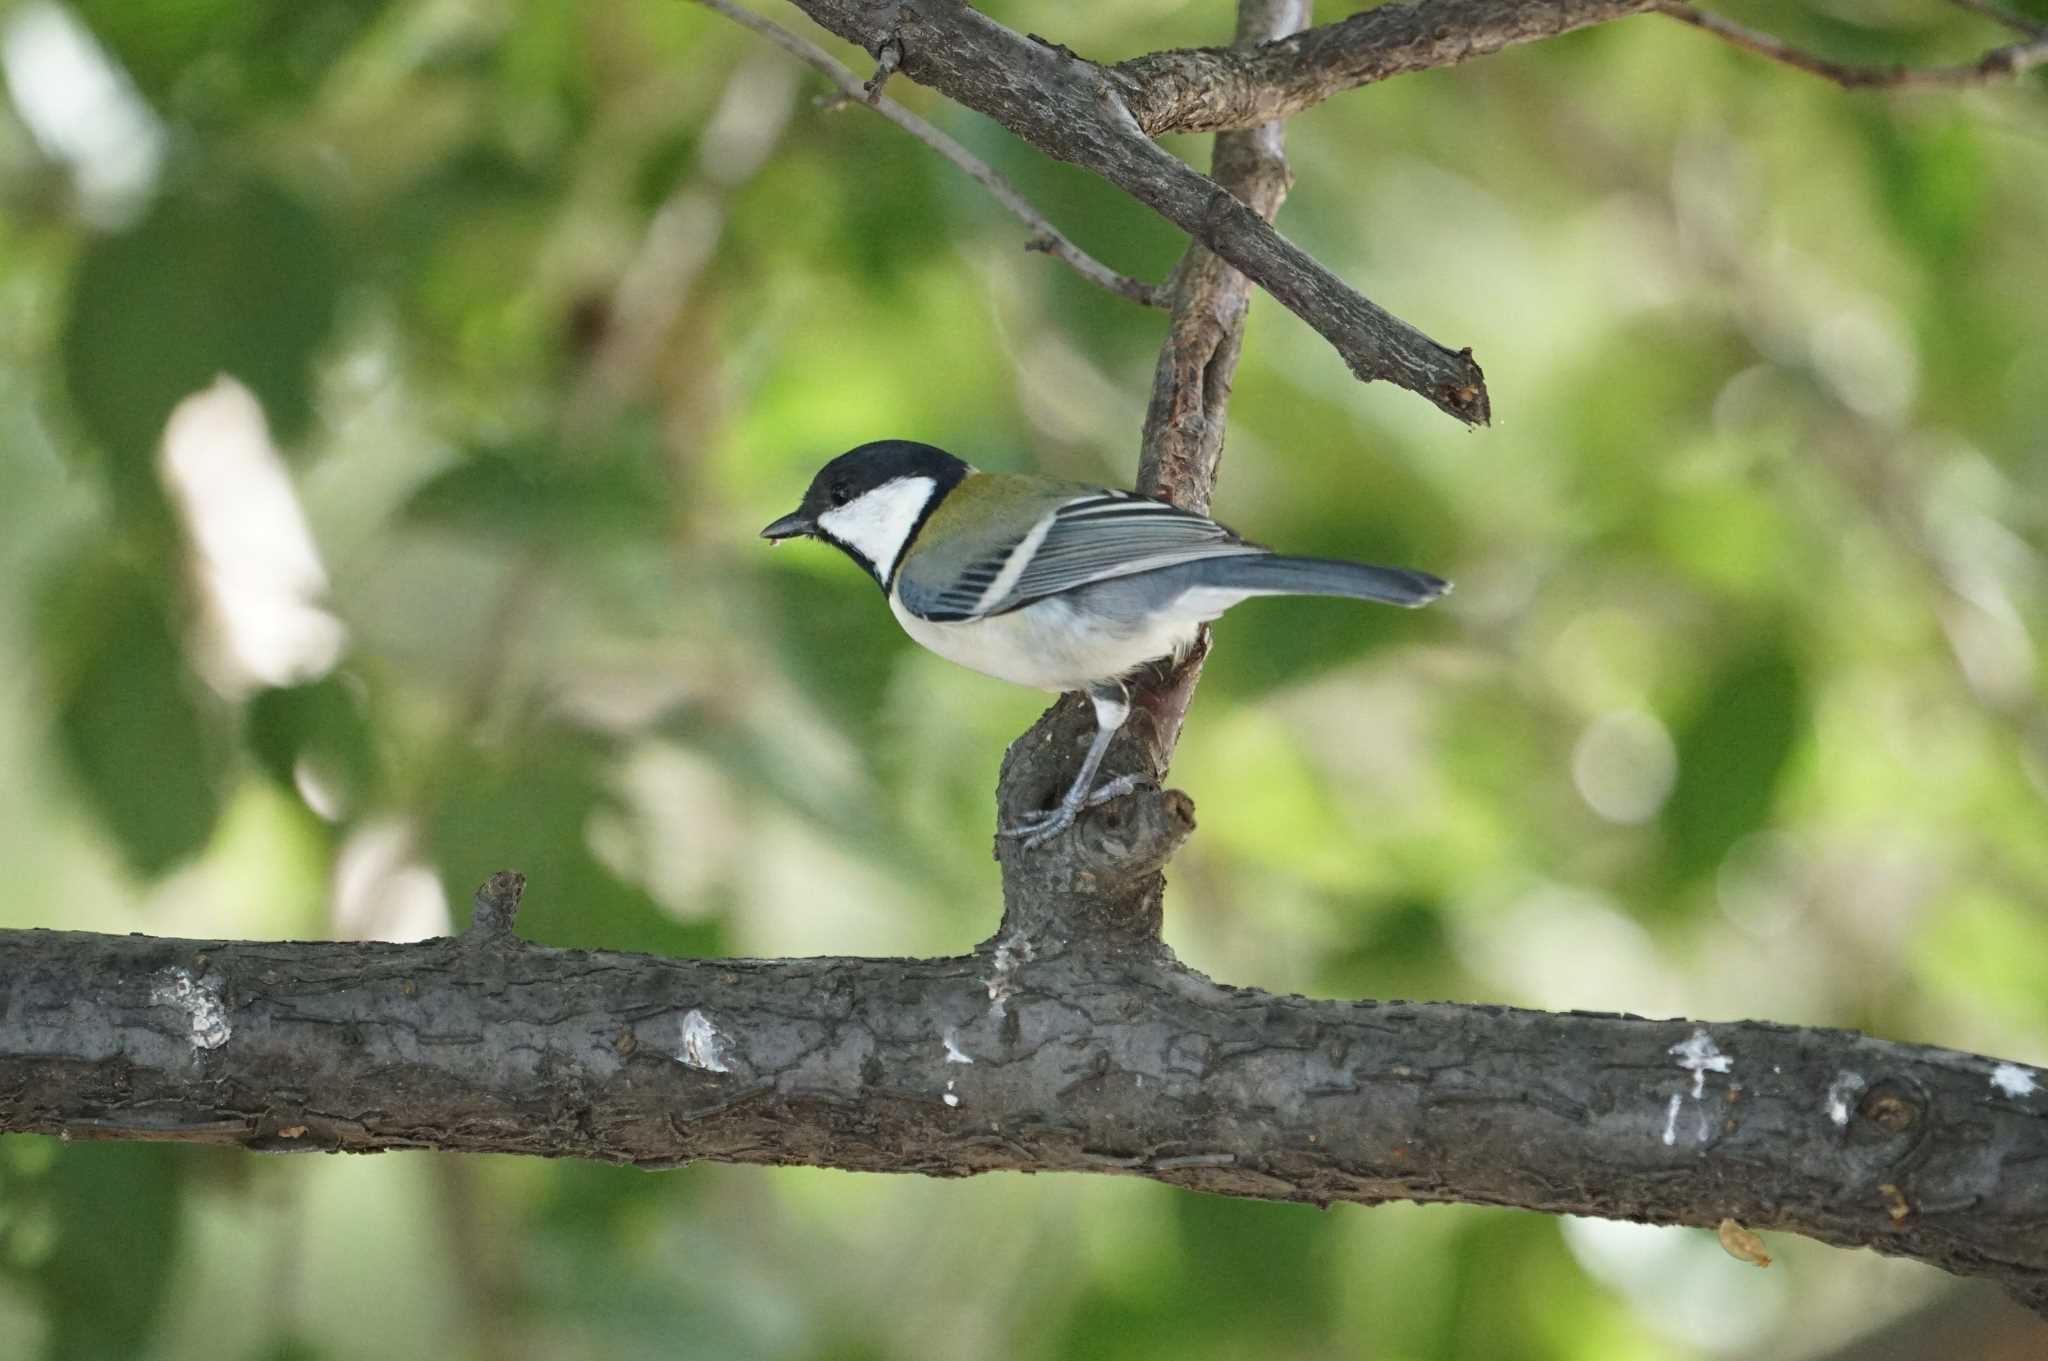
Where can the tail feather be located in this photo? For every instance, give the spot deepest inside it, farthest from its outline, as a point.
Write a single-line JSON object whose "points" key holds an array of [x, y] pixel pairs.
{"points": [[1272, 574]]}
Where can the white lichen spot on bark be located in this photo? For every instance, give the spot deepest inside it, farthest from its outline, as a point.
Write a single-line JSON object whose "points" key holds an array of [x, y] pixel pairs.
{"points": [[954, 1053], [1015, 949], [2013, 1080], [703, 1046], [949, 1098], [1840, 1092], [199, 999], [1698, 1056]]}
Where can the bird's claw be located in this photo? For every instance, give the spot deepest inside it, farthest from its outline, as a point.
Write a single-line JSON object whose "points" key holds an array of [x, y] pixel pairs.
{"points": [[1038, 828]]}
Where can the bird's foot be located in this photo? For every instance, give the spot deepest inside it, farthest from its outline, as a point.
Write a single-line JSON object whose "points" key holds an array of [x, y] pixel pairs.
{"points": [[1038, 828]]}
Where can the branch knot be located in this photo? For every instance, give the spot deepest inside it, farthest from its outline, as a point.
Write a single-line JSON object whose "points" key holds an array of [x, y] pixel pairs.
{"points": [[497, 905]]}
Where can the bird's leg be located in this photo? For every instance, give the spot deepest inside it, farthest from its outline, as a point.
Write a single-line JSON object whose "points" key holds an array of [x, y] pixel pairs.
{"points": [[1112, 706]]}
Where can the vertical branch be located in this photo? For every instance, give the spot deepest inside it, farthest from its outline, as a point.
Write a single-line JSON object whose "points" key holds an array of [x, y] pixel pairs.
{"points": [[1103, 879], [1183, 440]]}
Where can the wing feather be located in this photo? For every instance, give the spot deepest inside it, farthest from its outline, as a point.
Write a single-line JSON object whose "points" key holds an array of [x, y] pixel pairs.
{"points": [[1098, 538]]}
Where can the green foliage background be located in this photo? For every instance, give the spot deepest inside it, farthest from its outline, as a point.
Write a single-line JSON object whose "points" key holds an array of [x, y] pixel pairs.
{"points": [[1736, 712]]}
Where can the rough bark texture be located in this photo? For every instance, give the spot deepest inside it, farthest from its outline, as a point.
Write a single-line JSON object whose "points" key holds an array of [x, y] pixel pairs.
{"points": [[1208, 89], [1026, 1057], [1070, 109]]}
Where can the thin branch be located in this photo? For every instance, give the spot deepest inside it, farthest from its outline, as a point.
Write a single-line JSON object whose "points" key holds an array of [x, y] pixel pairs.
{"points": [[1183, 438], [1044, 236], [1184, 425], [1998, 64], [1181, 449], [1027, 1058]]}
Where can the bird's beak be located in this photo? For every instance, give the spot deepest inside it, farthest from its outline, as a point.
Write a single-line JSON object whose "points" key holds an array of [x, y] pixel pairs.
{"points": [[794, 525]]}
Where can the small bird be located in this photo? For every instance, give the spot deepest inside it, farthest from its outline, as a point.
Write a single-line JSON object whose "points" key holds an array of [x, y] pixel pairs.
{"points": [[1057, 585]]}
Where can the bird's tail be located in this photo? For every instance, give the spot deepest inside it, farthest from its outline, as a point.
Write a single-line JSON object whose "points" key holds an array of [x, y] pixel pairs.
{"points": [[1271, 574]]}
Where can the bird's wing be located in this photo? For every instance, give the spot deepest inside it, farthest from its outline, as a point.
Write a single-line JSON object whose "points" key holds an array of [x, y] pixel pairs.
{"points": [[1091, 538]]}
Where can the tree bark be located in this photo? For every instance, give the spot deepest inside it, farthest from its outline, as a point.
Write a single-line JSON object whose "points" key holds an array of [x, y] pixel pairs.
{"points": [[1031, 1057]]}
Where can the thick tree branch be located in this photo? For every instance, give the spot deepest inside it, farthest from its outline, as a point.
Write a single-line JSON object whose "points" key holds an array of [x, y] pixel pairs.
{"points": [[1072, 110], [1027, 1058], [1044, 236], [1999, 64], [1208, 89]]}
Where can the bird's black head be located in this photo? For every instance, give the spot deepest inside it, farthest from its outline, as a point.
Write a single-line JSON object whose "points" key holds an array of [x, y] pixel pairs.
{"points": [[870, 501]]}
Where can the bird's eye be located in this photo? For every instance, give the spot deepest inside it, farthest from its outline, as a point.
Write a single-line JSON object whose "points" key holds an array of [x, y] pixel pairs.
{"points": [[840, 495]]}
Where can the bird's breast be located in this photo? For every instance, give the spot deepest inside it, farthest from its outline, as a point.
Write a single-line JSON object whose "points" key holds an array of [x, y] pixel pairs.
{"points": [[1051, 645]]}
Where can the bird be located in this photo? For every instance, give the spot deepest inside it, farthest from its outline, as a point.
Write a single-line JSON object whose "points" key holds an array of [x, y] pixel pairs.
{"points": [[1057, 585]]}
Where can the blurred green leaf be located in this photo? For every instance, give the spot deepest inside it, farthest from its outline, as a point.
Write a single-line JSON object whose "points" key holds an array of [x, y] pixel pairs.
{"points": [[237, 278], [1731, 753], [1931, 171], [539, 491], [838, 641], [1381, 513], [1399, 948], [427, 225], [290, 1349], [325, 725], [1266, 1294], [1286, 640], [1985, 950], [1270, 1253], [212, 58], [530, 808], [103, 1278], [1486, 1314], [865, 225], [139, 734]]}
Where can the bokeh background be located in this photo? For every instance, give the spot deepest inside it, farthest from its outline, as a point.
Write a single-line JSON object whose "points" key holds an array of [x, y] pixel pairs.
{"points": [[390, 391]]}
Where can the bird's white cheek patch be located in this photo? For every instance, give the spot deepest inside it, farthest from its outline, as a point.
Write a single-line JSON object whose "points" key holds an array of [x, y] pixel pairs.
{"points": [[877, 524]]}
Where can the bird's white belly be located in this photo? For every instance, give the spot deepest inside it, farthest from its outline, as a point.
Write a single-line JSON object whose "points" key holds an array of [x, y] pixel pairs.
{"points": [[1047, 645]]}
